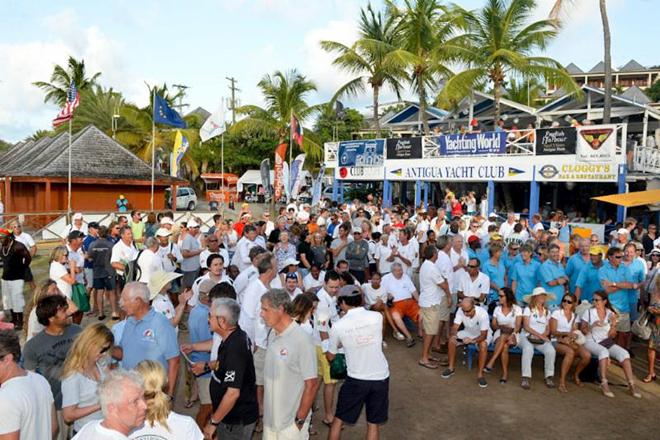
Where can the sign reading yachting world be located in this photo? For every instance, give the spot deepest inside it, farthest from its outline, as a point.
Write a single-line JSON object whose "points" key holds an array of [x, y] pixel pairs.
{"points": [[366, 153], [471, 144]]}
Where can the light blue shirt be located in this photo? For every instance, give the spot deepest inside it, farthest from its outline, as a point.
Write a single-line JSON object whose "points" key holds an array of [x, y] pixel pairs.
{"points": [[637, 269], [496, 275], [574, 266], [509, 262], [588, 281], [549, 271], [618, 298], [198, 327], [526, 277], [152, 337]]}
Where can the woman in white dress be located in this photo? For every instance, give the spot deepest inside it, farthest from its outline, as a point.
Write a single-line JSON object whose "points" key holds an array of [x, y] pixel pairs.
{"points": [[599, 326], [85, 367], [563, 324], [64, 278], [506, 322], [161, 422]]}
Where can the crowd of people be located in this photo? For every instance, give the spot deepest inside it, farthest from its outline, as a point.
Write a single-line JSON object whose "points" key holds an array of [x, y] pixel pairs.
{"points": [[275, 312]]}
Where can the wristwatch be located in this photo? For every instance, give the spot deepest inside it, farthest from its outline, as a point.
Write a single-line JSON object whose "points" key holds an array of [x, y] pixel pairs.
{"points": [[300, 422], [212, 422], [614, 284]]}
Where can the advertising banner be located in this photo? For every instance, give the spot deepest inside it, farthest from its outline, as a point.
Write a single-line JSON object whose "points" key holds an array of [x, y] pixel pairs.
{"points": [[359, 173], [365, 153], [330, 154], [560, 140], [264, 171], [596, 143], [279, 181], [404, 148], [472, 144]]}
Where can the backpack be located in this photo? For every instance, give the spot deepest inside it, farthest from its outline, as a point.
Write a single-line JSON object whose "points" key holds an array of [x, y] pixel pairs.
{"points": [[132, 271]]}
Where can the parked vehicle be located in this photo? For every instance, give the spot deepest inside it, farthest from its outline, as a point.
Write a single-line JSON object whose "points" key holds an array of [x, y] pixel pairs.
{"points": [[186, 199]]}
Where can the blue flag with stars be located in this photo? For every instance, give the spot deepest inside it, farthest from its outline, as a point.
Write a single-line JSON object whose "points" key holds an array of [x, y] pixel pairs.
{"points": [[164, 114]]}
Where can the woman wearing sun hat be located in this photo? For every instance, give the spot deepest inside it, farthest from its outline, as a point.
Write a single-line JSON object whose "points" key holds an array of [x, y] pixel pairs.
{"points": [[536, 335], [160, 300]]}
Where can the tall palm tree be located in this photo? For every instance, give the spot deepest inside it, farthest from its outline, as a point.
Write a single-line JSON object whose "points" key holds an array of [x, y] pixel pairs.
{"points": [[426, 33], [373, 57], [607, 46], [500, 44], [56, 90], [523, 91], [98, 107], [285, 94]]}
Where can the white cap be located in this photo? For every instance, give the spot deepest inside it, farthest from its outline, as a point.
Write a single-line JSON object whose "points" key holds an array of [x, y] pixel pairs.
{"points": [[302, 216], [162, 232], [77, 216], [290, 262], [166, 221], [192, 223], [492, 214], [622, 231]]}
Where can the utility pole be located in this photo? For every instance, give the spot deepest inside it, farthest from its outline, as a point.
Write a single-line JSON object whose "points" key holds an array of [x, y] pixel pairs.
{"points": [[232, 103], [182, 91]]}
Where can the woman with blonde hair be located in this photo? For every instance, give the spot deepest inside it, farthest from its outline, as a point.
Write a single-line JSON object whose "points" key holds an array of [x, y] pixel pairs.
{"points": [[161, 422], [49, 288], [83, 370], [536, 336], [64, 277]]}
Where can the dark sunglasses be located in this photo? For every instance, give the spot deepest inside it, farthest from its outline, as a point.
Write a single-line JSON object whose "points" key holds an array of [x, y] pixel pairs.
{"points": [[106, 348], [472, 266], [618, 257], [567, 301], [502, 296]]}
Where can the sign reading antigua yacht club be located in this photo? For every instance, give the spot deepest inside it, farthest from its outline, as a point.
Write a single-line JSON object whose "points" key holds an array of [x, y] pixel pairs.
{"points": [[560, 140]]}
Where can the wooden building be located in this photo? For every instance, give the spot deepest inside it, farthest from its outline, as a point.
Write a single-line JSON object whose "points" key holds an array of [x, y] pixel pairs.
{"points": [[34, 175]]}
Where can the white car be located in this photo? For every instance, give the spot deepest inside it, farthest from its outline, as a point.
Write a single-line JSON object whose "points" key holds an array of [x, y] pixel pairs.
{"points": [[186, 199]]}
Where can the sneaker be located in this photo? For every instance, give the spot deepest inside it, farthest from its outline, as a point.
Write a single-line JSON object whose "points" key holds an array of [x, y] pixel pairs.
{"points": [[447, 373], [482, 382], [398, 335], [525, 383], [549, 382], [410, 342], [488, 370]]}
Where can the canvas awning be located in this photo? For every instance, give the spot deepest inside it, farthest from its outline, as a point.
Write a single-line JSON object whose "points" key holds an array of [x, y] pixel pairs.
{"points": [[631, 199]]}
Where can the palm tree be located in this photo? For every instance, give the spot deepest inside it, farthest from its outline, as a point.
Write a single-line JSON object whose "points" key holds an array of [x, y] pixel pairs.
{"points": [[56, 90], [284, 93], [607, 46], [523, 91], [373, 57], [500, 45], [98, 107], [426, 33]]}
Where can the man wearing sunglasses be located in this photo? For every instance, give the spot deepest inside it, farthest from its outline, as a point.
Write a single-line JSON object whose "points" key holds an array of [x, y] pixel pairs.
{"points": [[616, 279]]}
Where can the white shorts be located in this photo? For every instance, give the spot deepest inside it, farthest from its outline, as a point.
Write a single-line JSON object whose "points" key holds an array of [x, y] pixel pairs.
{"points": [[203, 387], [12, 295], [290, 433], [616, 352]]}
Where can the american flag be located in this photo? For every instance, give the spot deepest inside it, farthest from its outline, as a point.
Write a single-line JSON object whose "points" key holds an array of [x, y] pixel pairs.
{"points": [[72, 101]]}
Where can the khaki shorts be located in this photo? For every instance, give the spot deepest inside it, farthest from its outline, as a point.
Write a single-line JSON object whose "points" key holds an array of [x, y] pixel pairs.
{"points": [[259, 362], [430, 319], [445, 310], [204, 388], [623, 322], [323, 367]]}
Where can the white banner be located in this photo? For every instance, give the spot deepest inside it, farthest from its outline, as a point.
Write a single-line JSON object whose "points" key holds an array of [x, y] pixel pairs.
{"points": [[596, 143], [330, 150], [359, 173]]}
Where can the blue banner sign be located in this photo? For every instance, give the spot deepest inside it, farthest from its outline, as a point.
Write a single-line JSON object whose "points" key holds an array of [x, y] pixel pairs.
{"points": [[366, 153], [472, 144]]}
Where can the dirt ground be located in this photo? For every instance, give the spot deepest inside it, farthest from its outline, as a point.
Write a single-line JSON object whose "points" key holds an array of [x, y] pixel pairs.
{"points": [[425, 406]]}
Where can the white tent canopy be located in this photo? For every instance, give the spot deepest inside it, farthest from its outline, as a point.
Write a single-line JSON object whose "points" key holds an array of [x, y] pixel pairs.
{"points": [[253, 177]]}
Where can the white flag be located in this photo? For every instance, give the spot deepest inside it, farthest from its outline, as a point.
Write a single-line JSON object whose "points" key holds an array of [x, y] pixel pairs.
{"points": [[214, 125]]}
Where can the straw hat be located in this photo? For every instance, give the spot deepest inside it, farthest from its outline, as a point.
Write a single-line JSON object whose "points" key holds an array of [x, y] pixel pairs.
{"points": [[158, 280], [539, 291]]}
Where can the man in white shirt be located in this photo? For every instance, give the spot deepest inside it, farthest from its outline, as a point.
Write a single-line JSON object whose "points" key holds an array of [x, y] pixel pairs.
{"points": [[434, 301], [536, 226], [77, 224], [443, 243], [382, 255], [242, 256], [246, 276], [121, 395], [360, 334], [314, 278], [212, 247], [148, 261], [26, 400], [407, 252], [476, 330], [473, 283], [123, 251], [459, 258], [401, 289], [506, 228], [216, 273], [169, 252]]}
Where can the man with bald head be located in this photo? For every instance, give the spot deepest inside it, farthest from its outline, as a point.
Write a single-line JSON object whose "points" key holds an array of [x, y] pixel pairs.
{"points": [[147, 334]]}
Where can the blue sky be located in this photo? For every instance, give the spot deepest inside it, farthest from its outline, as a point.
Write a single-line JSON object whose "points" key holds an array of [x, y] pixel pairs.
{"points": [[200, 43]]}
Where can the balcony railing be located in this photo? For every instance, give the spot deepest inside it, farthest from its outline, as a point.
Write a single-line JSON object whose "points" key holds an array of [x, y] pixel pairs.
{"points": [[646, 159]]}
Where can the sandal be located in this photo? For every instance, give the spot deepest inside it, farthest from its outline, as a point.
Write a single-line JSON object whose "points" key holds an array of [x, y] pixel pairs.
{"points": [[562, 388], [430, 365], [577, 381], [411, 342], [606, 389], [190, 403], [633, 391], [503, 381], [649, 379]]}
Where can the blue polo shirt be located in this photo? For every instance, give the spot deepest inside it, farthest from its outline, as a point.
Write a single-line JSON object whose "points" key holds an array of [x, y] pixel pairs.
{"points": [[574, 266], [526, 277], [637, 269], [550, 271], [483, 255], [496, 273], [153, 337], [588, 281], [621, 274], [199, 331], [473, 254]]}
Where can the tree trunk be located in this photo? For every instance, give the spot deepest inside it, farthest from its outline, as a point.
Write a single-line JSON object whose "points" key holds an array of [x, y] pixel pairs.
{"points": [[422, 105], [607, 106], [497, 96], [376, 115]]}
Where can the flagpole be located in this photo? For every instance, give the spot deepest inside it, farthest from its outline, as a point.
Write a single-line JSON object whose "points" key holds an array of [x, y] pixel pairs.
{"points": [[68, 208], [153, 151], [222, 171], [290, 151]]}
